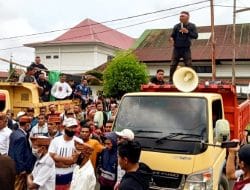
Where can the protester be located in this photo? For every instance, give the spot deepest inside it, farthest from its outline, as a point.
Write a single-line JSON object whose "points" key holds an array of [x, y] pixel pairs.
{"points": [[124, 135], [66, 108], [181, 37], [84, 91], [108, 127], [39, 66], [12, 124], [61, 89], [52, 111], [28, 76], [4, 134], [100, 117], [41, 128], [46, 87], [93, 143], [54, 124], [20, 152], [62, 150], [84, 174], [108, 163], [43, 174], [43, 110], [7, 173], [31, 113], [159, 78], [138, 175], [78, 113]]}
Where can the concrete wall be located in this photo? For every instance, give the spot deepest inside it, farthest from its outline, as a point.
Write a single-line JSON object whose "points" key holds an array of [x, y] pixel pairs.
{"points": [[74, 58]]}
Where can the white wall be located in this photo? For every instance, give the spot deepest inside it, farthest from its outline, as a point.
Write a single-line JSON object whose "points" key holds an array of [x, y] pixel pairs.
{"points": [[74, 58]]}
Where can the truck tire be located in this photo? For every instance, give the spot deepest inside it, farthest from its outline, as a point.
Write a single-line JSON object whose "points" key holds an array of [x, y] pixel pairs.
{"points": [[223, 184]]}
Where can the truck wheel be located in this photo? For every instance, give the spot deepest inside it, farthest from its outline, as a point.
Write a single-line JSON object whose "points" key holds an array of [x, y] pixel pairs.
{"points": [[223, 185]]}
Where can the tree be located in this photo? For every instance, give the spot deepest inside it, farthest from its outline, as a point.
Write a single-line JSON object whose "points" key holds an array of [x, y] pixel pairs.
{"points": [[125, 73]]}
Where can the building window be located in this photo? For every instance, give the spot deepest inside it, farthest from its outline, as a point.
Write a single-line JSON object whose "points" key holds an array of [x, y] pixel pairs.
{"points": [[55, 56], [48, 57], [203, 69]]}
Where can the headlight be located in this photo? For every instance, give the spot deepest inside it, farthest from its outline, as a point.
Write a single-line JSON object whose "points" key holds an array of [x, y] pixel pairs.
{"points": [[200, 181]]}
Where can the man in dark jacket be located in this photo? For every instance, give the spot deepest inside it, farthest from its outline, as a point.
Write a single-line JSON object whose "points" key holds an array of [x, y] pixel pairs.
{"points": [[181, 37], [20, 152], [7, 173], [138, 175]]}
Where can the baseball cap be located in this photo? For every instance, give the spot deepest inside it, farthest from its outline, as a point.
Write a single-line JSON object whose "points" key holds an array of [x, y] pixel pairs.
{"points": [[244, 154], [126, 134], [70, 122]]}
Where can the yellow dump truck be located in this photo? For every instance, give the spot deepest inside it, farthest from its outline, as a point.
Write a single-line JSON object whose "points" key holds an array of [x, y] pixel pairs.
{"points": [[184, 134], [20, 96]]}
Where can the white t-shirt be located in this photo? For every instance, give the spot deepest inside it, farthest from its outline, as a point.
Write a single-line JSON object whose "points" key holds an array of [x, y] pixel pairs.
{"points": [[65, 149], [61, 90], [98, 118], [4, 140], [41, 131], [44, 173], [83, 178]]}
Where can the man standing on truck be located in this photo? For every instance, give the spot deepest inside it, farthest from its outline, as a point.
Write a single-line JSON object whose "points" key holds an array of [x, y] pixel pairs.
{"points": [[181, 37], [61, 89], [40, 67]]}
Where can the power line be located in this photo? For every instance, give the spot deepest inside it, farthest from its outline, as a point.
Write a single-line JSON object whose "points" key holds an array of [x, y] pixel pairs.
{"points": [[105, 22]]}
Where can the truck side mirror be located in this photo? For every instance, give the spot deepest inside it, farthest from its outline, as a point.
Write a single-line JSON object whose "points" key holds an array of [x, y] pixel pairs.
{"points": [[222, 130]]}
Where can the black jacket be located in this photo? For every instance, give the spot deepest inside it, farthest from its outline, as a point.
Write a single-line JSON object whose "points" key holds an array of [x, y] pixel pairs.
{"points": [[138, 180], [182, 39]]}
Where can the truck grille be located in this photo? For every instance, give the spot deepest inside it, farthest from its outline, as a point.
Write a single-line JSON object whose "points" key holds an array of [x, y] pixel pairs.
{"points": [[166, 180]]}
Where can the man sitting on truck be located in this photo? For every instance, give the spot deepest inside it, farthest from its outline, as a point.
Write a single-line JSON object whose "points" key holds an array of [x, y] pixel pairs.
{"points": [[159, 78]]}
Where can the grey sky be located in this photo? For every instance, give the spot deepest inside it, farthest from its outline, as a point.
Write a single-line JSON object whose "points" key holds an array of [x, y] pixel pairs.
{"points": [[19, 17]]}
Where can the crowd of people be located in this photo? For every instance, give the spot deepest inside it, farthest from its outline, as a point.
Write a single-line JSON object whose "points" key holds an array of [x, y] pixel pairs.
{"points": [[75, 149]]}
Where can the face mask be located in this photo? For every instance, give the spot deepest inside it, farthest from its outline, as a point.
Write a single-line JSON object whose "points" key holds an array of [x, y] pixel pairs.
{"points": [[69, 133], [80, 159], [35, 153]]}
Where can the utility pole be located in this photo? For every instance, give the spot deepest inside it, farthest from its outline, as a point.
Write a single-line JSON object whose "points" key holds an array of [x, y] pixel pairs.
{"points": [[212, 40], [234, 42]]}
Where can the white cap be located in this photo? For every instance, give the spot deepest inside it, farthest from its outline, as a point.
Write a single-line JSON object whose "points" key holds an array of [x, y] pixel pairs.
{"points": [[70, 122], [126, 134], [21, 113]]}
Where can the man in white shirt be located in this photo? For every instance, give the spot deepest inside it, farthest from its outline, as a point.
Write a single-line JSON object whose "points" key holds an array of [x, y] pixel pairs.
{"points": [[61, 89], [62, 150], [41, 128], [98, 118], [44, 172], [84, 173], [4, 134]]}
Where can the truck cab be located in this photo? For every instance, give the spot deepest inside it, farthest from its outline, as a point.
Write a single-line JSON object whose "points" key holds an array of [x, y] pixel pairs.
{"points": [[174, 130]]}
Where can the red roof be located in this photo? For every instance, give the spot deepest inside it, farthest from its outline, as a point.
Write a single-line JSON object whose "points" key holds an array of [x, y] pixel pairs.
{"points": [[4, 74], [154, 46], [91, 31]]}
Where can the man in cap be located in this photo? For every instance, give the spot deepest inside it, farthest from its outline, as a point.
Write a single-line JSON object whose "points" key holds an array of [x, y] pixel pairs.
{"points": [[43, 174], [20, 152], [122, 136], [181, 37], [62, 150], [4, 134], [54, 125], [241, 176], [84, 174]]}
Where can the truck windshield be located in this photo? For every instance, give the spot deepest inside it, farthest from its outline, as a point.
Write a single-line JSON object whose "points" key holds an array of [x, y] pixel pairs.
{"points": [[163, 118]]}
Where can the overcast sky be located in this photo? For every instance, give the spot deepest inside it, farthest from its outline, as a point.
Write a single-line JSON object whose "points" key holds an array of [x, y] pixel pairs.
{"points": [[20, 17]]}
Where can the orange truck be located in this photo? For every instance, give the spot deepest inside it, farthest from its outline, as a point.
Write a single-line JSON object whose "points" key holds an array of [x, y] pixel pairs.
{"points": [[184, 129]]}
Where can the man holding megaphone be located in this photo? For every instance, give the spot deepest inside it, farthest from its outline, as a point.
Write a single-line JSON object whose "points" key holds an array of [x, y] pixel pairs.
{"points": [[181, 37]]}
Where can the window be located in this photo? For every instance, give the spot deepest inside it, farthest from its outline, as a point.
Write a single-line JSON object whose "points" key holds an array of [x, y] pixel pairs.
{"points": [[216, 111], [48, 57], [55, 56], [203, 69]]}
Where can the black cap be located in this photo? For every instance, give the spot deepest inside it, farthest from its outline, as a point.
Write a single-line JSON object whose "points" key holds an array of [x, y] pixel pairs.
{"points": [[244, 154]]}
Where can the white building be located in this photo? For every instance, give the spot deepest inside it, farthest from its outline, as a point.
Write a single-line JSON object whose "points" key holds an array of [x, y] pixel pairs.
{"points": [[82, 48]]}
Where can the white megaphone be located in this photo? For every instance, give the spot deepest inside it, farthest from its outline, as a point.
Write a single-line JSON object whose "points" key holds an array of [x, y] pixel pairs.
{"points": [[185, 79]]}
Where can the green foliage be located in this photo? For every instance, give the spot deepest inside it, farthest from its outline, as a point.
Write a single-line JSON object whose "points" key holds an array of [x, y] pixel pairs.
{"points": [[124, 74]]}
